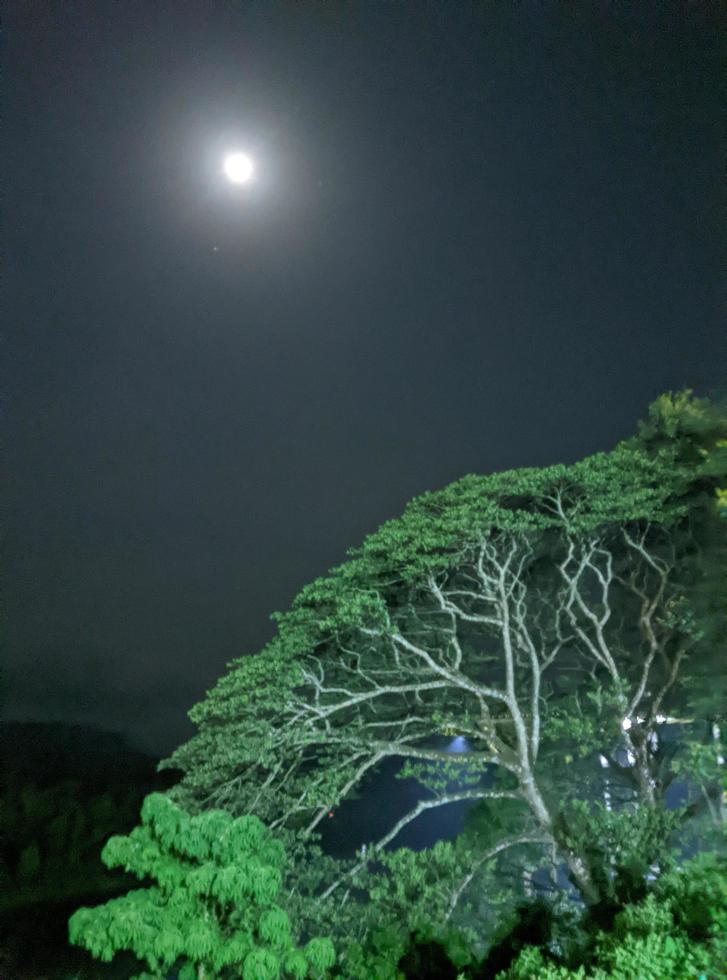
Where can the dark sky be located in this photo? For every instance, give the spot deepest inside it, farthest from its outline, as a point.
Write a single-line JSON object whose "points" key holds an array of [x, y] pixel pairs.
{"points": [[483, 236]]}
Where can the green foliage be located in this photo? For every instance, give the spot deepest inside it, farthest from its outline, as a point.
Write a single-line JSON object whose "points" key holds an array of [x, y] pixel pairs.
{"points": [[212, 905], [620, 846], [700, 762], [378, 957], [697, 897], [695, 426], [417, 888], [51, 837], [29, 862], [581, 724], [677, 931], [649, 957]]}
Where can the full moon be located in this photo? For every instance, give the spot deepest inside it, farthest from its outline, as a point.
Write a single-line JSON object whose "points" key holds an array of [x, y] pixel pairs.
{"points": [[238, 168]]}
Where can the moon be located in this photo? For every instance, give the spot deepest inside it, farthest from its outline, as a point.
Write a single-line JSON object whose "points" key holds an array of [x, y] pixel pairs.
{"points": [[239, 168]]}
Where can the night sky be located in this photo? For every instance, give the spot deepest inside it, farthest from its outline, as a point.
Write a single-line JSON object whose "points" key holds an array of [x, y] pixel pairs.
{"points": [[482, 236]]}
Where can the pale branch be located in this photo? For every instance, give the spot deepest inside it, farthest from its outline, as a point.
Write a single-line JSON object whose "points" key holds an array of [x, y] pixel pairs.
{"points": [[671, 679], [447, 606], [357, 698], [455, 678], [648, 607], [487, 856], [599, 649], [420, 808]]}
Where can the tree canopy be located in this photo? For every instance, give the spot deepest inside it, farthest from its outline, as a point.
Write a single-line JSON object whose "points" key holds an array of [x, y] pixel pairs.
{"points": [[560, 620]]}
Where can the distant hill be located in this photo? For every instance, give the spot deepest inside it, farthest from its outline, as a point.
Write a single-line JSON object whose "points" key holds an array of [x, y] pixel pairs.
{"points": [[64, 790], [48, 752]]}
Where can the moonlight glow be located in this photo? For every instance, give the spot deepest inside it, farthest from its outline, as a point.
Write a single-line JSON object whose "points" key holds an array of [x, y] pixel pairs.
{"points": [[238, 168]]}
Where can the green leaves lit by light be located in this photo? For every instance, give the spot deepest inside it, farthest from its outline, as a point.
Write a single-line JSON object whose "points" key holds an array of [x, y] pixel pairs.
{"points": [[212, 904]]}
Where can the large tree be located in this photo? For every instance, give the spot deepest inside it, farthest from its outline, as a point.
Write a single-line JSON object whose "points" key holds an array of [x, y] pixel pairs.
{"points": [[528, 611]]}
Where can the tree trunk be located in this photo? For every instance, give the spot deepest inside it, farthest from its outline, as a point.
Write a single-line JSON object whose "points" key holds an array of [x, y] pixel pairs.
{"points": [[579, 871], [581, 877], [643, 772]]}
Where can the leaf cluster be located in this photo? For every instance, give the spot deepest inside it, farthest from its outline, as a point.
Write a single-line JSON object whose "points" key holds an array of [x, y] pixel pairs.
{"points": [[212, 904], [677, 930]]}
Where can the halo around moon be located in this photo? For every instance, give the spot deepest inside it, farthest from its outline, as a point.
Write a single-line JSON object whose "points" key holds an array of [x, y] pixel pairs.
{"points": [[239, 168]]}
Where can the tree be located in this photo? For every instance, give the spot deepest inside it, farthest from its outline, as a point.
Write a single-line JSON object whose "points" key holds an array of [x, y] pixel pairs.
{"points": [[464, 615], [212, 911]]}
